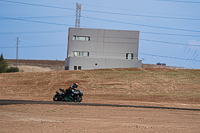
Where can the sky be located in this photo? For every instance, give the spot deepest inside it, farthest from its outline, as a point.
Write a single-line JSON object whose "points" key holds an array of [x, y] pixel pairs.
{"points": [[169, 29]]}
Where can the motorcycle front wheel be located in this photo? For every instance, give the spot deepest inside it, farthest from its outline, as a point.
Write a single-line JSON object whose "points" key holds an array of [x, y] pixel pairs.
{"points": [[79, 99]]}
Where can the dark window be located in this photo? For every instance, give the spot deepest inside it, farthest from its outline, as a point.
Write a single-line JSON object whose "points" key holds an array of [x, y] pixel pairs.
{"points": [[129, 56], [67, 68], [79, 67], [81, 38], [75, 67], [84, 53]]}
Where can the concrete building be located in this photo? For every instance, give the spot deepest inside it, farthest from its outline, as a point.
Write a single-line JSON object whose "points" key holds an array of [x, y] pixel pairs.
{"points": [[101, 48]]}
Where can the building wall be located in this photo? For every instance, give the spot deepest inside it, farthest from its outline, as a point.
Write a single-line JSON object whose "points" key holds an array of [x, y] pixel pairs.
{"points": [[107, 48], [98, 63]]}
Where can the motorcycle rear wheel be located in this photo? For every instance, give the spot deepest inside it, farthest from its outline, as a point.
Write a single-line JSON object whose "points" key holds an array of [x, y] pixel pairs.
{"points": [[57, 98]]}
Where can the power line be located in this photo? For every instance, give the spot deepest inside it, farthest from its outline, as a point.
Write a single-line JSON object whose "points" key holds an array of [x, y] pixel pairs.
{"points": [[170, 57], [35, 21], [170, 42], [159, 27], [109, 21], [191, 54], [55, 45], [148, 16], [45, 17], [33, 32], [109, 7], [140, 40], [42, 46], [170, 34], [58, 31], [151, 16], [194, 2], [41, 17], [30, 4]]}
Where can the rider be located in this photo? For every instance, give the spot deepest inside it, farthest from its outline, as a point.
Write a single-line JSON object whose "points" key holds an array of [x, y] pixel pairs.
{"points": [[72, 90]]}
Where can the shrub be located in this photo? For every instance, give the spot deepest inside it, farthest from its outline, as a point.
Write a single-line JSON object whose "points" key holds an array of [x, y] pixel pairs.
{"points": [[12, 69]]}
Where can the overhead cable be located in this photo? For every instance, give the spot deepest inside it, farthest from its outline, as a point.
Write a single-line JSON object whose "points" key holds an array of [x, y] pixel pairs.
{"points": [[170, 34], [194, 2], [169, 42], [33, 32], [149, 16], [24, 3], [34, 21], [144, 25], [170, 57], [58, 31], [34, 46]]}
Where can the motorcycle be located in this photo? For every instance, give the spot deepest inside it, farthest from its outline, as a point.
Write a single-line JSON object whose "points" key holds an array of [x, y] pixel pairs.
{"points": [[69, 97]]}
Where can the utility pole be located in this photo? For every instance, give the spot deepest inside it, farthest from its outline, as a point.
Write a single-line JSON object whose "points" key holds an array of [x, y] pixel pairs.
{"points": [[17, 52], [78, 15]]}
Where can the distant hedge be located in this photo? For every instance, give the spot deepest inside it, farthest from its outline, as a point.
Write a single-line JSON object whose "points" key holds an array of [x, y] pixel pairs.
{"points": [[12, 69]]}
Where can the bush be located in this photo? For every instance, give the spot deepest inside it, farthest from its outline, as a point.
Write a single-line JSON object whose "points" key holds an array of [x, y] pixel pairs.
{"points": [[12, 69]]}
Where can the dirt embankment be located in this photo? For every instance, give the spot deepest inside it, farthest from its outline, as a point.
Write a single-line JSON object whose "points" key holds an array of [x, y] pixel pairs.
{"points": [[121, 86]]}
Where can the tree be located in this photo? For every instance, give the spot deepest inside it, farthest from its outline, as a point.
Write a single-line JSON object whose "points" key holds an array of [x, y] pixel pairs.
{"points": [[3, 64]]}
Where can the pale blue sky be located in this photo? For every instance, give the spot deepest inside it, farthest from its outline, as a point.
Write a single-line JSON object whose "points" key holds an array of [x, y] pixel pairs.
{"points": [[169, 29]]}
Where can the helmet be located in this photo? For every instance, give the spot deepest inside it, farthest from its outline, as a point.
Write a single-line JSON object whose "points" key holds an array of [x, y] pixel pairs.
{"points": [[75, 85]]}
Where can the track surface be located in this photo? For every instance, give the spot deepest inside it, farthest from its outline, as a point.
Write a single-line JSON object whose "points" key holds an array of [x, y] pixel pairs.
{"points": [[8, 102]]}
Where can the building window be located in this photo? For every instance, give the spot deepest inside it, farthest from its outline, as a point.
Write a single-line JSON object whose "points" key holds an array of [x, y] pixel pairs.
{"points": [[81, 38], [84, 53], [129, 56], [75, 67], [80, 53], [76, 53]]}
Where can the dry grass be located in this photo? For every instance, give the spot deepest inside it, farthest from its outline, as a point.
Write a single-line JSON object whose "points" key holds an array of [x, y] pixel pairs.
{"points": [[37, 65], [134, 84]]}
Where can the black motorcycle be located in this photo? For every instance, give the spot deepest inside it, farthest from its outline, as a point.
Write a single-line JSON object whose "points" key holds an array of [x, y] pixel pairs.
{"points": [[67, 96]]}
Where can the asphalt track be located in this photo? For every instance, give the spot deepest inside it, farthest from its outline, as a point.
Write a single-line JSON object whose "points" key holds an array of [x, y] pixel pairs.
{"points": [[9, 102]]}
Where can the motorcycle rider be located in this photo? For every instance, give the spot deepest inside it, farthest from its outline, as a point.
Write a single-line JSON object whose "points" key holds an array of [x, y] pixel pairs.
{"points": [[72, 90]]}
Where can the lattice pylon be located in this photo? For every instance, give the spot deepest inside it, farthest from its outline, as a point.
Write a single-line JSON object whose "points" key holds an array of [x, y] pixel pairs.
{"points": [[78, 15]]}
